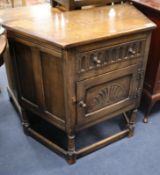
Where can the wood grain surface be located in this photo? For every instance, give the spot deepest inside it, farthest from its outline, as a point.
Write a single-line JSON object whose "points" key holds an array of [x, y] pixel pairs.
{"points": [[66, 29]]}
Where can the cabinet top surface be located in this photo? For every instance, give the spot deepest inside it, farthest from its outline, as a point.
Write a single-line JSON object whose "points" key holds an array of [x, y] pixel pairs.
{"points": [[73, 28], [153, 4]]}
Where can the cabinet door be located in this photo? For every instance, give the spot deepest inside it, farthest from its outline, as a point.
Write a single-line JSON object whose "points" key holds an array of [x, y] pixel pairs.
{"points": [[102, 95]]}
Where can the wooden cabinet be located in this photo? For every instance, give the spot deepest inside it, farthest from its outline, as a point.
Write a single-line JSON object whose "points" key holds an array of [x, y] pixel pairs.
{"points": [[151, 91], [73, 76]]}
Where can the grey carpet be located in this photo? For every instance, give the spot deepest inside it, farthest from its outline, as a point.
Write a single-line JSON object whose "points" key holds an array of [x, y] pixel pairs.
{"points": [[22, 155]]}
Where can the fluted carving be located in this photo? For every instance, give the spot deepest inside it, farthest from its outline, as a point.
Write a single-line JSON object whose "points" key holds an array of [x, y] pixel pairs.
{"points": [[107, 95], [100, 58]]}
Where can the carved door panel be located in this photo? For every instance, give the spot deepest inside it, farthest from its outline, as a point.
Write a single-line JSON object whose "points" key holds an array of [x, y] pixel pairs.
{"points": [[106, 94]]}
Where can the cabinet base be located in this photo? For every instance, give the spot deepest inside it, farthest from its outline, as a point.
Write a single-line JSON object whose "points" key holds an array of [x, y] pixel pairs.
{"points": [[71, 158], [71, 154]]}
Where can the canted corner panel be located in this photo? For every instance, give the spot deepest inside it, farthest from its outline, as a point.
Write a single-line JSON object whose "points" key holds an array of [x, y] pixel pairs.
{"points": [[41, 80], [99, 58], [52, 74], [25, 71]]}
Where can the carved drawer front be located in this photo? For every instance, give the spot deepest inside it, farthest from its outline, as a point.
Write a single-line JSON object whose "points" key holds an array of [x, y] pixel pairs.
{"points": [[97, 59], [101, 95]]}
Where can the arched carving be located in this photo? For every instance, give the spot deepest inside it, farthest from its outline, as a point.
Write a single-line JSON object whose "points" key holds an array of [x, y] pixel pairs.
{"points": [[107, 95]]}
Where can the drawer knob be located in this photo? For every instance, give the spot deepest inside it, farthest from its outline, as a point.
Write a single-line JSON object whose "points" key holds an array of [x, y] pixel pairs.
{"points": [[82, 104], [131, 51], [96, 60]]}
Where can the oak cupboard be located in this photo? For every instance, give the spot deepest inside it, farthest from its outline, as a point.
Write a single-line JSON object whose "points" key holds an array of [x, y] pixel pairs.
{"points": [[76, 69]]}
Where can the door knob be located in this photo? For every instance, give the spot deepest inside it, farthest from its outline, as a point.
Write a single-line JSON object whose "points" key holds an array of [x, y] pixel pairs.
{"points": [[82, 104]]}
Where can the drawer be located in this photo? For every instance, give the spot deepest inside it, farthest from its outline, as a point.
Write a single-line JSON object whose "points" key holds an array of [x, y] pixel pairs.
{"points": [[106, 94], [106, 59]]}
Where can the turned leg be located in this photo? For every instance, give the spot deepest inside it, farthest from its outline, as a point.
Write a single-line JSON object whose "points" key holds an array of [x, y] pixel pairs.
{"points": [[131, 123], [149, 101], [148, 107], [71, 155], [25, 122]]}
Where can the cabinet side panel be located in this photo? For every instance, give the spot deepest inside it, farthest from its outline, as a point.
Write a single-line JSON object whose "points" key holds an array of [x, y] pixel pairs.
{"points": [[53, 84], [152, 70], [154, 57], [26, 73], [10, 71]]}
